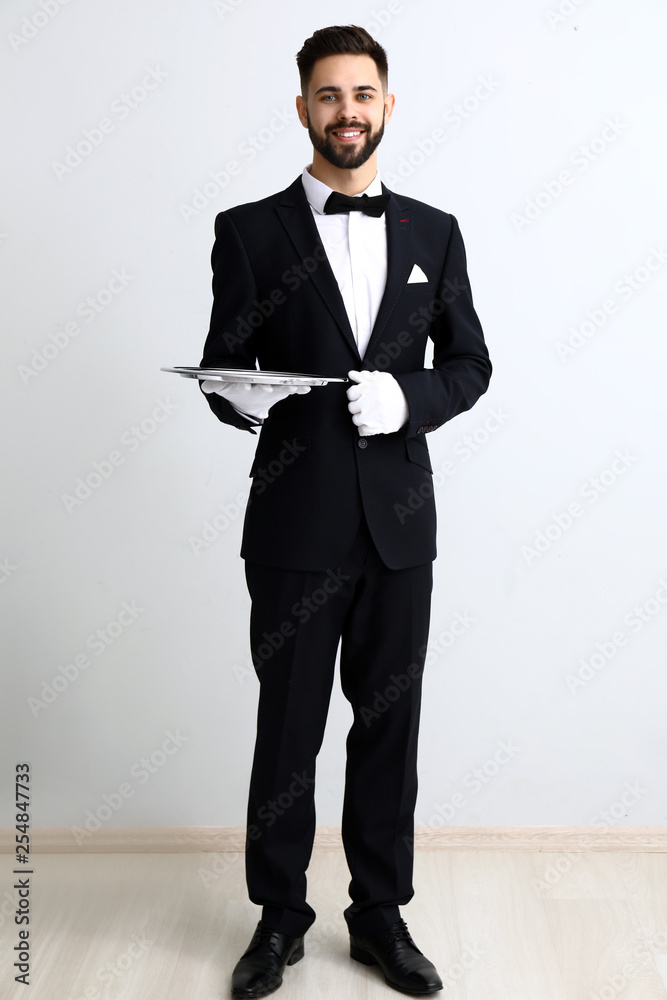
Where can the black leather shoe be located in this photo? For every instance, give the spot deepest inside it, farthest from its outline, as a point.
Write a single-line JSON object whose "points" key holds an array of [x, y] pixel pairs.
{"points": [[404, 966], [260, 969]]}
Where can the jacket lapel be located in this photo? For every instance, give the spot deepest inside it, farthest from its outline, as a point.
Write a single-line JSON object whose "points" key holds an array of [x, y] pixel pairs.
{"points": [[399, 243], [296, 216]]}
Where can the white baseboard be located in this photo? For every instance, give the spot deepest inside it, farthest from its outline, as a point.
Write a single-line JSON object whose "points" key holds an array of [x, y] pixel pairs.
{"points": [[192, 840]]}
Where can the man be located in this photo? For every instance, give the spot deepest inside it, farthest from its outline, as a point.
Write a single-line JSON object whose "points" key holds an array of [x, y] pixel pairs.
{"points": [[339, 534]]}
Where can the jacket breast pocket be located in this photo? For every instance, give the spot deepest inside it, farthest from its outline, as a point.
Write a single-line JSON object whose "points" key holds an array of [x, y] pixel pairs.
{"points": [[417, 451], [415, 287]]}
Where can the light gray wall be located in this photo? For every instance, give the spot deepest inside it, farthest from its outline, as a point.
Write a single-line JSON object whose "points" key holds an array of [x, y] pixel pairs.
{"points": [[547, 660]]}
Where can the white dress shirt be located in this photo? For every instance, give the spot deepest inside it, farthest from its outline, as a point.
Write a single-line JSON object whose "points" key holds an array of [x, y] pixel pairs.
{"points": [[356, 247]]}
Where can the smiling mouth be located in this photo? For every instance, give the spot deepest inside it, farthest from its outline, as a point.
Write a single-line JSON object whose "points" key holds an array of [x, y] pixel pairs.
{"points": [[348, 134]]}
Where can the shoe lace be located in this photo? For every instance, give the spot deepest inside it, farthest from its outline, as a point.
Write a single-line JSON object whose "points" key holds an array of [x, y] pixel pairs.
{"points": [[399, 932], [266, 935]]}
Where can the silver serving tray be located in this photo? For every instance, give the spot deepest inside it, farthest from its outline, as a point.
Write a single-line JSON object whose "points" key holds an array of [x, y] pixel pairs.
{"points": [[251, 375]]}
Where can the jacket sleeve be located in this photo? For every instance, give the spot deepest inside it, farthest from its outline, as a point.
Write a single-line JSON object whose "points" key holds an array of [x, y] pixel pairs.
{"points": [[461, 367], [231, 338]]}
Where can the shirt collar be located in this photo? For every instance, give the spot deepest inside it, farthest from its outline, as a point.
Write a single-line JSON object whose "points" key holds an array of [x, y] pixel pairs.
{"points": [[317, 192]]}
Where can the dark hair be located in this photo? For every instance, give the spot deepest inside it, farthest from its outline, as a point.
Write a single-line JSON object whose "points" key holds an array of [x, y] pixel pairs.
{"points": [[340, 40]]}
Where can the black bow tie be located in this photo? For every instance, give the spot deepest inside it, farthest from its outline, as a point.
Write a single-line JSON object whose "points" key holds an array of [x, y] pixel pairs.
{"points": [[337, 202]]}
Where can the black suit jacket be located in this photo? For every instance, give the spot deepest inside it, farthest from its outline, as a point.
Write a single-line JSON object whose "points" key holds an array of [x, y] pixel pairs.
{"points": [[276, 302]]}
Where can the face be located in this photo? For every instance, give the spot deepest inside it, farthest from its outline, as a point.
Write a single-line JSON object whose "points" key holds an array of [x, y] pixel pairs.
{"points": [[346, 110]]}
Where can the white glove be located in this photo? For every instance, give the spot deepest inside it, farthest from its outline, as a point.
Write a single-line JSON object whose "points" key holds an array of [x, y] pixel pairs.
{"points": [[377, 403], [250, 398]]}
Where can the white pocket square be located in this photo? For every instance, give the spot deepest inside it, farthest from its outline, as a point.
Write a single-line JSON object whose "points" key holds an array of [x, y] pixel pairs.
{"points": [[416, 275]]}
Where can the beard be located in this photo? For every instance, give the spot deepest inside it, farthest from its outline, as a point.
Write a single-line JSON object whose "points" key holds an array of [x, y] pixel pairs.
{"points": [[346, 157]]}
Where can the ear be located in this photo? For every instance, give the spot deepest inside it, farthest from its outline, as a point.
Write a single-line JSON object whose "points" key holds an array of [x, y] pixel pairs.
{"points": [[302, 110], [389, 102]]}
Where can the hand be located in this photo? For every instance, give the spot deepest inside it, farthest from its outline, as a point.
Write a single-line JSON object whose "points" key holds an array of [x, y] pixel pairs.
{"points": [[251, 398], [377, 403]]}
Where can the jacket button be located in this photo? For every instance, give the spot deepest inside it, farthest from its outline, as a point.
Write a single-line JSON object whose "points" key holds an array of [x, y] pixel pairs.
{"points": [[362, 443]]}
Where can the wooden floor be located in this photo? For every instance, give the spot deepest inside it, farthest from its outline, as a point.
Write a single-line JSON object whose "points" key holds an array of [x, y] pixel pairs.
{"points": [[521, 926]]}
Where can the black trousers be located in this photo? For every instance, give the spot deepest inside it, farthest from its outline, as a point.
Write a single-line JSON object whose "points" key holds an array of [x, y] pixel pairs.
{"points": [[381, 618]]}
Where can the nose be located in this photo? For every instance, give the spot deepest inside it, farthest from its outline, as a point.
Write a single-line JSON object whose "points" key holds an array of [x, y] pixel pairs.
{"points": [[347, 109]]}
